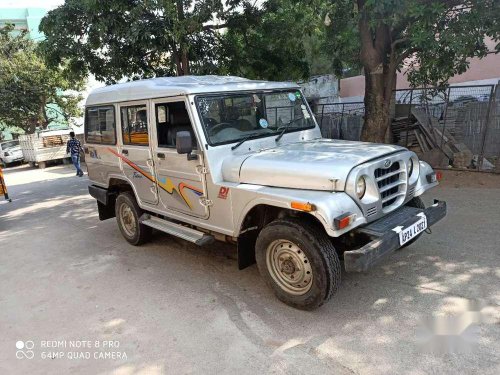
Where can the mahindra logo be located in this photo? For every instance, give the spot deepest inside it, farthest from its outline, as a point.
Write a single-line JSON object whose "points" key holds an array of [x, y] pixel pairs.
{"points": [[387, 163]]}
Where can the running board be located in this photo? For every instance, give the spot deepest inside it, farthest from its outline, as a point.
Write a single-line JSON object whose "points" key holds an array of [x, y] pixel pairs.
{"points": [[186, 233]]}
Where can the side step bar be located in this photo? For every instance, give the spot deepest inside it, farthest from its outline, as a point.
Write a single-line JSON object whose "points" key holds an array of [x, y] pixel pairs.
{"points": [[188, 234]]}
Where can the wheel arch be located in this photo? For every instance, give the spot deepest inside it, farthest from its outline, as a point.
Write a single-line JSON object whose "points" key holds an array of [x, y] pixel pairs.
{"points": [[257, 217]]}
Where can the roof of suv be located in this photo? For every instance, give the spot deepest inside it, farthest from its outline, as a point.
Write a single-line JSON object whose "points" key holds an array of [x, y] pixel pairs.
{"points": [[174, 86]]}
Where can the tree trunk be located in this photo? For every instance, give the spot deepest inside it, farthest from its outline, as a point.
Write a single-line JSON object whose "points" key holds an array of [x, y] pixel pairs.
{"points": [[185, 62], [182, 61], [379, 63]]}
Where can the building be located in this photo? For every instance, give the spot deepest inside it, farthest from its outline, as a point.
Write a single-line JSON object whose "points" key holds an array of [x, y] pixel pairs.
{"points": [[485, 71], [23, 19]]}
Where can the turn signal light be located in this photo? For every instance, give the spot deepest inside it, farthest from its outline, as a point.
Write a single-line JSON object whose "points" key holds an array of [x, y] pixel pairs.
{"points": [[307, 207], [432, 177], [344, 220]]}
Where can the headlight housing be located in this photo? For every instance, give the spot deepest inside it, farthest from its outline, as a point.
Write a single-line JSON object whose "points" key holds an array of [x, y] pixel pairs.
{"points": [[360, 187], [410, 167], [413, 169], [6, 153]]}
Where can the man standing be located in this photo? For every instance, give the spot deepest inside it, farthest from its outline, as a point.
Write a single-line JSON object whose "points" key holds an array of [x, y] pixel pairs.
{"points": [[74, 147]]}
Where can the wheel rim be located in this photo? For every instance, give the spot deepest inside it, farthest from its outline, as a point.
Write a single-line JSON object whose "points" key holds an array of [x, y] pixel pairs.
{"points": [[289, 267], [127, 219]]}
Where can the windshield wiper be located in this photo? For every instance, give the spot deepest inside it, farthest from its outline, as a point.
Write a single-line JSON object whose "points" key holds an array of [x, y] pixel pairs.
{"points": [[242, 140], [285, 128]]}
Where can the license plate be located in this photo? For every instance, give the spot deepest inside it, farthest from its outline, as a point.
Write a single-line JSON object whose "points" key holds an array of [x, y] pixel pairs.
{"points": [[409, 233]]}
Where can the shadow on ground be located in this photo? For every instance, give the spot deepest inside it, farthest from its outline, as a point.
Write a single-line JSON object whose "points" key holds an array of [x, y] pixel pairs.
{"points": [[175, 306]]}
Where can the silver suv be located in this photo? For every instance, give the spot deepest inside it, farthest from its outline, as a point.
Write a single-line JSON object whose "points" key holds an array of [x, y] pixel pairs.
{"points": [[229, 159]]}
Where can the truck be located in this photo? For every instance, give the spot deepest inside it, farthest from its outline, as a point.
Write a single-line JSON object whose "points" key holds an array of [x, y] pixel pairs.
{"points": [[45, 146], [219, 158]]}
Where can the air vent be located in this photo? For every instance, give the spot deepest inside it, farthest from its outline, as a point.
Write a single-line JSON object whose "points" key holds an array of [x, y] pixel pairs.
{"points": [[371, 211]]}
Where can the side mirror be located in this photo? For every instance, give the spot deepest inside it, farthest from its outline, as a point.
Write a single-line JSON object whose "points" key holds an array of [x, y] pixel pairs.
{"points": [[184, 144]]}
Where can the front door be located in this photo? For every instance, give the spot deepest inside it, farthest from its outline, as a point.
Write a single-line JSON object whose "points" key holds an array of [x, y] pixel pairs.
{"points": [[181, 182], [137, 162]]}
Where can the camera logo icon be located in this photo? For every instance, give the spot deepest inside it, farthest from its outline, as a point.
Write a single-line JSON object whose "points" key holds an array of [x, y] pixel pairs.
{"points": [[24, 349]]}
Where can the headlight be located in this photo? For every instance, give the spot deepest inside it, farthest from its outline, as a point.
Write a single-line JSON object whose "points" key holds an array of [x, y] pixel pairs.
{"points": [[360, 187], [410, 168], [6, 153]]}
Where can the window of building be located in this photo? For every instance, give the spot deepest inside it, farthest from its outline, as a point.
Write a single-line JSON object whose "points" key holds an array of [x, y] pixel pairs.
{"points": [[100, 125], [135, 125]]}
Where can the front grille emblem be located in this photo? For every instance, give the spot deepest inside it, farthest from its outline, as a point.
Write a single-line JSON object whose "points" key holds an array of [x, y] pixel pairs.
{"points": [[387, 163]]}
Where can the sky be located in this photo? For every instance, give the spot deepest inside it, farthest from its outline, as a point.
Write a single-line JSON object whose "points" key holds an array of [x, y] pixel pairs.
{"points": [[47, 4]]}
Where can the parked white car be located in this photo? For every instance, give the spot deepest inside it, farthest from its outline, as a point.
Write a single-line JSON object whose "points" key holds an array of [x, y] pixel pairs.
{"points": [[229, 159], [10, 152]]}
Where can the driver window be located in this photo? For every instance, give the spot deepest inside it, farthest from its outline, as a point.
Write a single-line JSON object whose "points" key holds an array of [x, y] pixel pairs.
{"points": [[172, 118]]}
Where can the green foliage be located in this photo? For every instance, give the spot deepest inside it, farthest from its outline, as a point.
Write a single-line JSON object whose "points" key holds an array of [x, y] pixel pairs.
{"points": [[272, 47], [31, 93], [117, 39], [438, 36]]}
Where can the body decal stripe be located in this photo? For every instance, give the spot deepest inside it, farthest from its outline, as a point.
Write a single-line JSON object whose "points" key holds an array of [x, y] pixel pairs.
{"points": [[166, 185]]}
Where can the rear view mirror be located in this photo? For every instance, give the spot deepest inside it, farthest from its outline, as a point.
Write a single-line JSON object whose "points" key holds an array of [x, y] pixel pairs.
{"points": [[184, 144]]}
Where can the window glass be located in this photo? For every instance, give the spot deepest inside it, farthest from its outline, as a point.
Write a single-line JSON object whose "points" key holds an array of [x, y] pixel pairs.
{"points": [[100, 125], [170, 119], [135, 125], [232, 117], [9, 144]]}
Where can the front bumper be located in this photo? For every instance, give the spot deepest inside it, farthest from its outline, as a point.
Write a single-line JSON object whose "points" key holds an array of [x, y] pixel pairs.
{"points": [[12, 159], [386, 239]]}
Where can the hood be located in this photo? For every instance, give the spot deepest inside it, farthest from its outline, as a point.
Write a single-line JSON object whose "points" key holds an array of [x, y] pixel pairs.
{"points": [[321, 164]]}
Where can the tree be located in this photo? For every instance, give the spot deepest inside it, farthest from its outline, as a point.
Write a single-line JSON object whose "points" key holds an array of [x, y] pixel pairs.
{"points": [[284, 40], [435, 38], [33, 95], [114, 39]]}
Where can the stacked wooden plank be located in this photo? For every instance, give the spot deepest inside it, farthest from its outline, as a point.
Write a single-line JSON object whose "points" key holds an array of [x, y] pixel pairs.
{"points": [[430, 138]]}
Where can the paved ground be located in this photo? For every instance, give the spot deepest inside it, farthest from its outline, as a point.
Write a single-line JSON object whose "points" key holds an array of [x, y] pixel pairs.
{"points": [[173, 307]]}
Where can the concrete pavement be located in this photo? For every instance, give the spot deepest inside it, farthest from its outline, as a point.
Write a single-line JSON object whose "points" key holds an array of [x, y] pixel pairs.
{"points": [[170, 306]]}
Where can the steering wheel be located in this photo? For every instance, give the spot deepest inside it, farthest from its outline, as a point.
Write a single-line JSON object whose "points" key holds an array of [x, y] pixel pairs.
{"points": [[217, 128]]}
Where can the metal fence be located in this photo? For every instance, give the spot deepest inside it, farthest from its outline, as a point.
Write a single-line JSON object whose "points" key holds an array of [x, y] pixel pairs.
{"points": [[455, 126], [340, 120]]}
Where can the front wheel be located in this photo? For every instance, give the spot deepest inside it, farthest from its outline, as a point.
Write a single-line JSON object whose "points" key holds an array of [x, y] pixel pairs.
{"points": [[299, 262], [128, 213]]}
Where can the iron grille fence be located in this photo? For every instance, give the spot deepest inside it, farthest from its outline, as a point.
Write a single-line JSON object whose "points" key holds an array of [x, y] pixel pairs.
{"points": [[340, 120], [455, 126]]}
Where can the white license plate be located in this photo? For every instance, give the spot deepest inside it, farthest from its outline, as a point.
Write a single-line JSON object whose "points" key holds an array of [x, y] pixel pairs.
{"points": [[409, 233]]}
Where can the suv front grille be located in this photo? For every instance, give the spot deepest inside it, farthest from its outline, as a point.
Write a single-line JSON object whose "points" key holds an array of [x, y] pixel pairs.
{"points": [[389, 182]]}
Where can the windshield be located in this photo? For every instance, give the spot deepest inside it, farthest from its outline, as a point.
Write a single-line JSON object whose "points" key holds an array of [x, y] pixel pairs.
{"points": [[229, 118], [10, 144]]}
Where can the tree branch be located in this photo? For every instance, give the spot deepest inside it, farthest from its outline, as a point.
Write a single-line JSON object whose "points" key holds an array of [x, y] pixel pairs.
{"points": [[215, 27]]}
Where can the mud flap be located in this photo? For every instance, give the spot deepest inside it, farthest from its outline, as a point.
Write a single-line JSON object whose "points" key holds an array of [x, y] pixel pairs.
{"points": [[246, 248]]}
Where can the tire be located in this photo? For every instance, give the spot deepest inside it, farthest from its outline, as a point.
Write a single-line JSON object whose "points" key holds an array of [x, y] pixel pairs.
{"points": [[288, 243], [128, 213], [416, 202]]}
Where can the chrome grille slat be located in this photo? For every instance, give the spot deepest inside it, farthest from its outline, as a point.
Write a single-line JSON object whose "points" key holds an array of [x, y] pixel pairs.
{"points": [[389, 175], [392, 197], [391, 183], [390, 186]]}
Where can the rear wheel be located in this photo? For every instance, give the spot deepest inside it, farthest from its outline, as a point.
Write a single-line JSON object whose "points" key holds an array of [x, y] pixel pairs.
{"points": [[128, 213], [299, 262]]}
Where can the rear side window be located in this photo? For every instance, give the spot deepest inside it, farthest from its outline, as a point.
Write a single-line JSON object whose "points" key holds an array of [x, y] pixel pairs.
{"points": [[100, 126], [135, 125]]}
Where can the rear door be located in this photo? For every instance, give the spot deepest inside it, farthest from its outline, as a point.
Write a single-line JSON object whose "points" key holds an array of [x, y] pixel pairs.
{"points": [[136, 156], [181, 182]]}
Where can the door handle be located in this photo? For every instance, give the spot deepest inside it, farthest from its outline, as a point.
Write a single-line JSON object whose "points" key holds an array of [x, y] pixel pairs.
{"points": [[125, 152], [160, 155]]}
